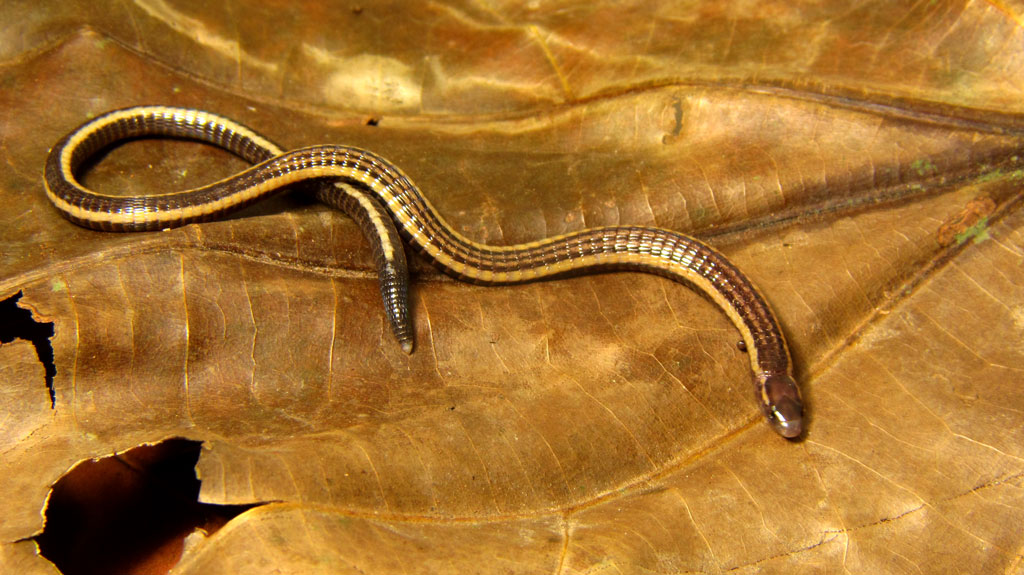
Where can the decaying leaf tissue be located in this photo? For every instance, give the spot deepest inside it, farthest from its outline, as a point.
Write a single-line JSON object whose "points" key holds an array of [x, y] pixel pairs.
{"points": [[860, 166]]}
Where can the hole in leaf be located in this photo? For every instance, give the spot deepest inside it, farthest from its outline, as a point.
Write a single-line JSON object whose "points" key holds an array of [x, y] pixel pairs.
{"points": [[129, 513], [17, 322]]}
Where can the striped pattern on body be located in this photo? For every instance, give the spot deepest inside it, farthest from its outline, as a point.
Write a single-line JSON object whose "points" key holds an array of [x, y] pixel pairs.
{"points": [[386, 204]]}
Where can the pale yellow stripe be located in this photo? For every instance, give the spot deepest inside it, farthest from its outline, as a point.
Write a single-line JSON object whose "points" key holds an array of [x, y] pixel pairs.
{"points": [[681, 266], [379, 225]]}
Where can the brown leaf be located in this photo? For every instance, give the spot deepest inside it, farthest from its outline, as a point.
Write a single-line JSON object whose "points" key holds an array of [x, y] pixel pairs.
{"points": [[861, 165]]}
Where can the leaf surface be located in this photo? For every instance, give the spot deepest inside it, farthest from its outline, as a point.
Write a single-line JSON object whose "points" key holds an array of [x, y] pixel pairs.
{"points": [[861, 165]]}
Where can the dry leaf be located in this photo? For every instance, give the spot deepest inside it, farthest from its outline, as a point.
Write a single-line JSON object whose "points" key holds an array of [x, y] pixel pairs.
{"points": [[860, 164]]}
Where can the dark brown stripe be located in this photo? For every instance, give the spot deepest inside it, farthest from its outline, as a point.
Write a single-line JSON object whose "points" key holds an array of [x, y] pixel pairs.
{"points": [[661, 252]]}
